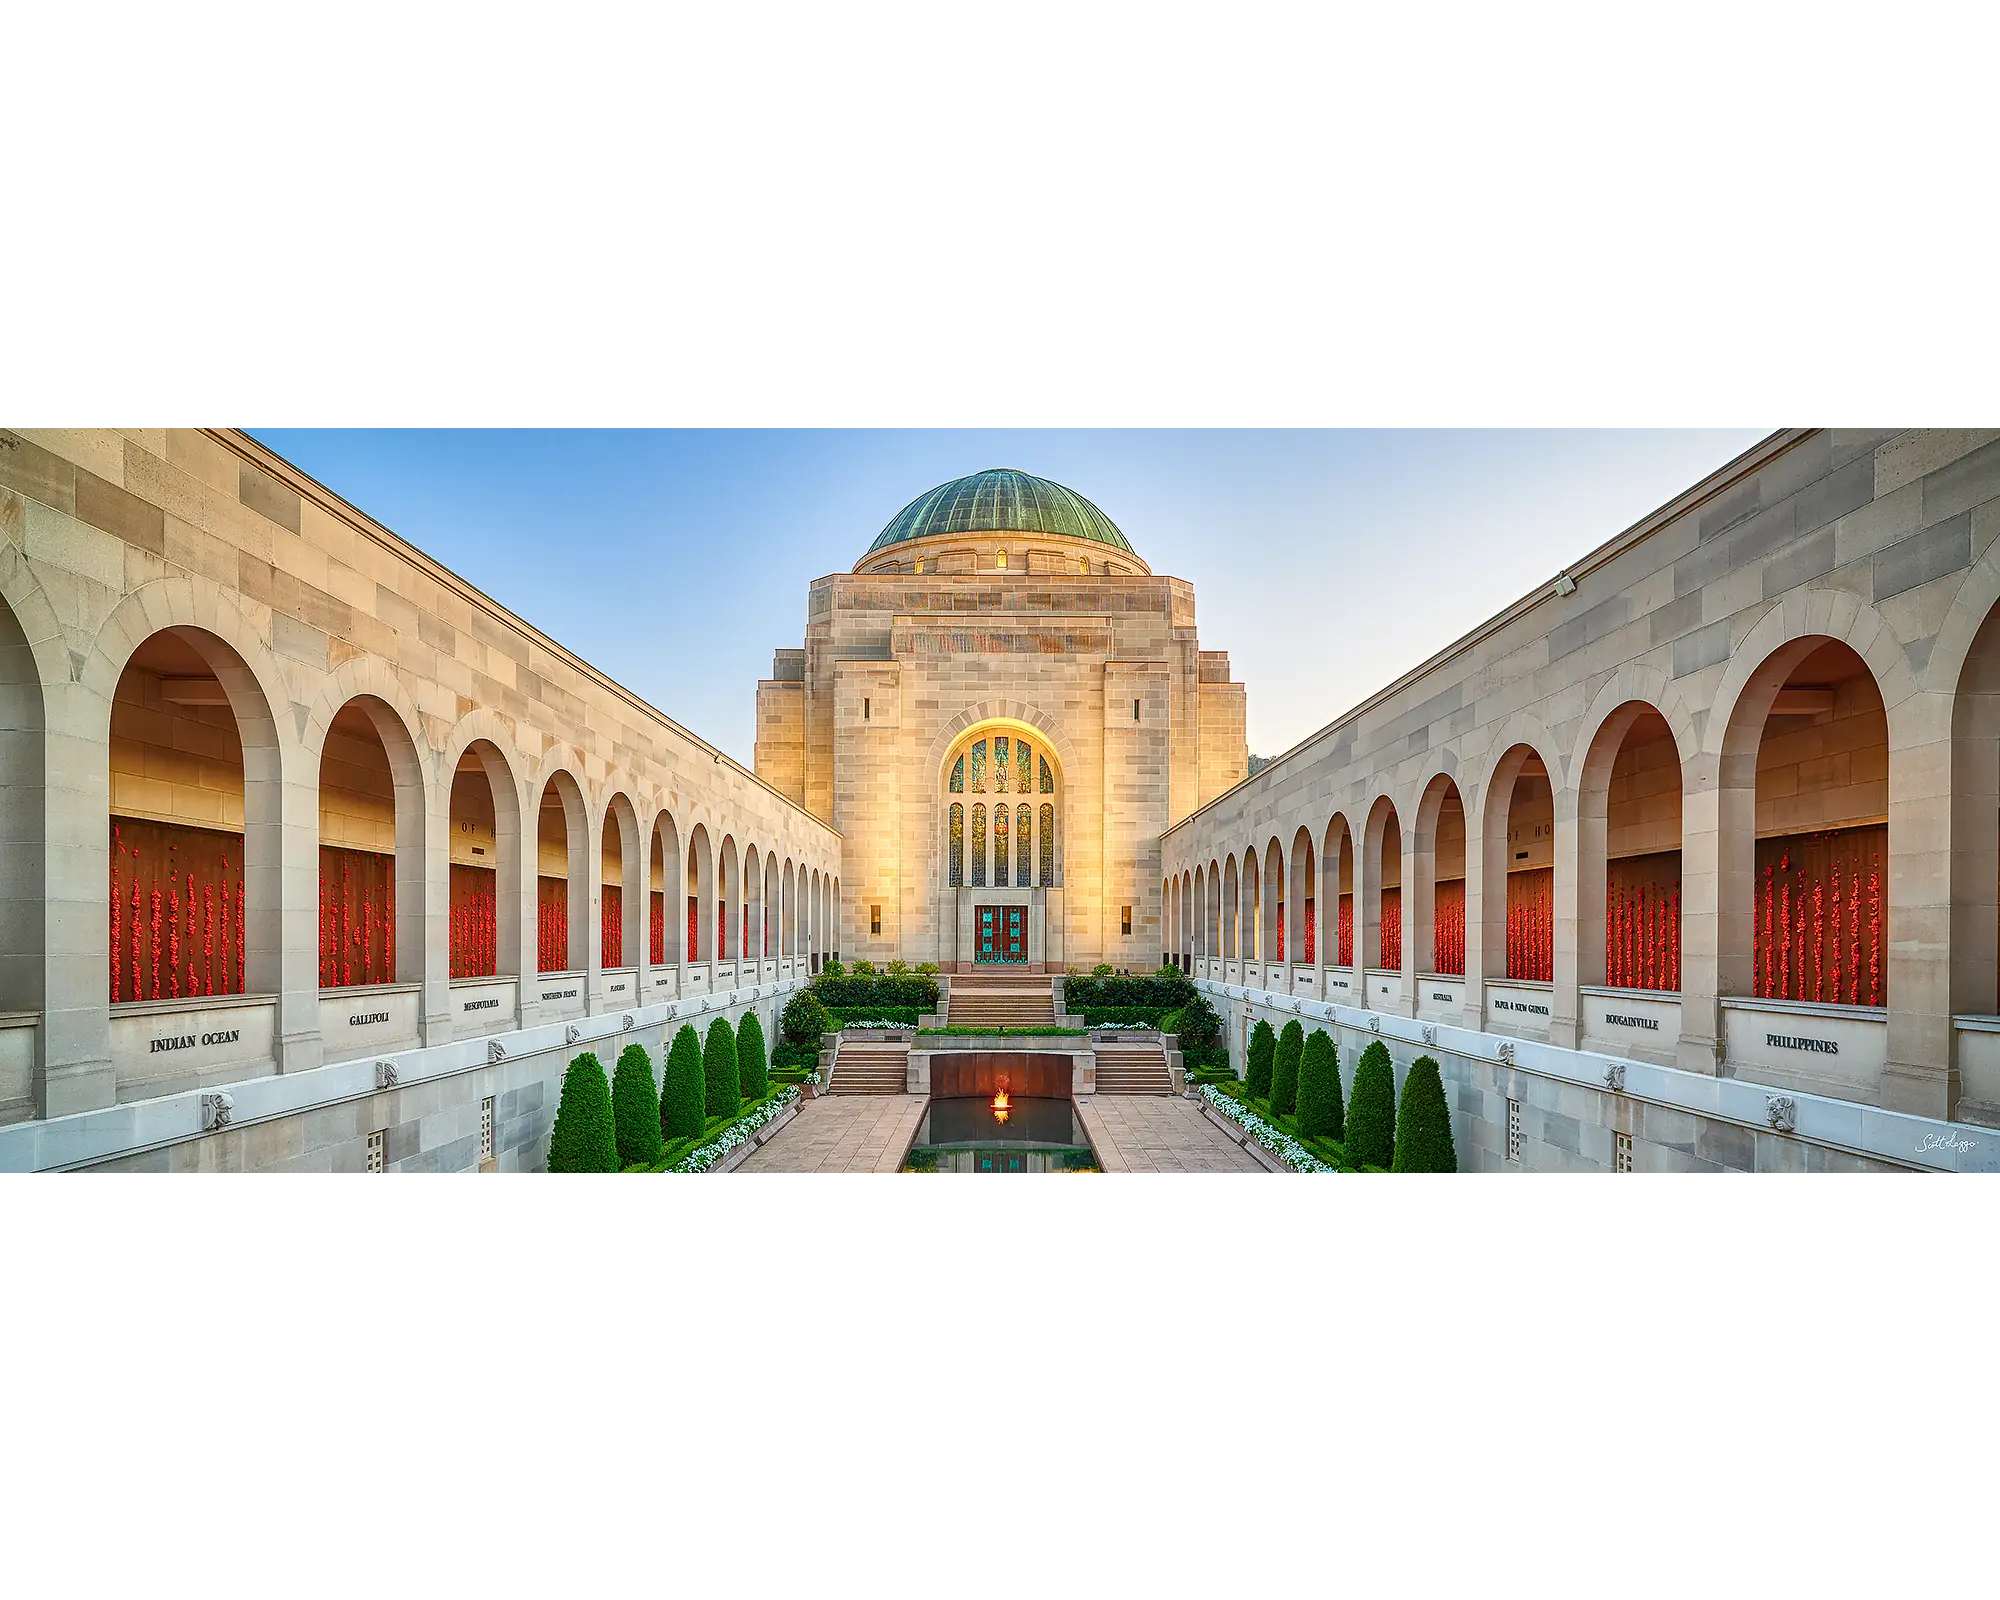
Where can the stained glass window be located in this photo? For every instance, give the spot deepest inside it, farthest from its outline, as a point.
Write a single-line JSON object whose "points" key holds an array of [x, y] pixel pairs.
{"points": [[1048, 840], [1000, 783], [979, 847], [1048, 782], [958, 776], [979, 767], [1026, 753], [957, 859], [1022, 877], [1000, 846]]}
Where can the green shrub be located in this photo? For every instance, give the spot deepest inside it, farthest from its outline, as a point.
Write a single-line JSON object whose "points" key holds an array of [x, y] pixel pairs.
{"points": [[804, 1019], [1285, 1068], [1155, 992], [635, 1107], [724, 1090], [1197, 1024], [927, 969], [791, 1062], [582, 1139], [1257, 1069], [830, 968], [1167, 972], [1320, 1113], [751, 1076], [683, 1096], [872, 997], [1423, 1123], [1103, 969], [1371, 1118], [864, 968], [897, 969]]}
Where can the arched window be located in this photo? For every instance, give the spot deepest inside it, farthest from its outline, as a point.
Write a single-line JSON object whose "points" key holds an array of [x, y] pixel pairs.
{"points": [[989, 762]]}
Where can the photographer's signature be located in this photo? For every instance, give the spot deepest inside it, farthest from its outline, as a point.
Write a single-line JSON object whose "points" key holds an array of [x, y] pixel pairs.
{"points": [[1943, 1141]]}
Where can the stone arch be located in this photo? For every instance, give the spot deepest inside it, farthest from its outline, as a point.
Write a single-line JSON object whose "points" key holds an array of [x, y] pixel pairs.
{"points": [[1372, 947], [1231, 911], [397, 735], [1437, 910], [1337, 858], [1785, 639], [1270, 921], [665, 842], [276, 851], [563, 922], [1602, 744], [788, 922], [621, 815], [488, 738], [1537, 934], [701, 894], [750, 937]]}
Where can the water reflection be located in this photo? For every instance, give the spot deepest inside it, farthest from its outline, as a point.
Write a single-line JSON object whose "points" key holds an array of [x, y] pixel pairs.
{"points": [[1028, 1134]]}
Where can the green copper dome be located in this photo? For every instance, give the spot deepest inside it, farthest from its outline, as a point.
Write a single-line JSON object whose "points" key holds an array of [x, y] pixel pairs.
{"points": [[1001, 500]]}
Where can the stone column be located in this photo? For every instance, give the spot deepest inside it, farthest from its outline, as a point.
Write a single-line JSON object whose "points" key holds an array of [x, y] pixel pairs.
{"points": [[522, 948], [73, 1068], [292, 924], [1473, 1014], [1565, 1005], [434, 1004], [1919, 1075], [1704, 805], [1406, 994]]}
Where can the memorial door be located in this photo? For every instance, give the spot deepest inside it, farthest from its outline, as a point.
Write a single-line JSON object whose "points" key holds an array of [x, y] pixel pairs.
{"points": [[1000, 934]]}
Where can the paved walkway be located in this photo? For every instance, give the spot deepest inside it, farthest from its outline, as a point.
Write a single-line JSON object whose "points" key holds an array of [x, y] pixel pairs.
{"points": [[1158, 1133], [843, 1133]]}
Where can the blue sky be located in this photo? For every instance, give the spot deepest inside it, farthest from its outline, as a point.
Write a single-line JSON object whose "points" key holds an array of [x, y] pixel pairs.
{"points": [[1326, 562]]}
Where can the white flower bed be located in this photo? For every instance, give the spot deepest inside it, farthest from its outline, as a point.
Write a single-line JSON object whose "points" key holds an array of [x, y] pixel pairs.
{"points": [[1121, 1027], [1280, 1144], [700, 1160], [878, 1024]]}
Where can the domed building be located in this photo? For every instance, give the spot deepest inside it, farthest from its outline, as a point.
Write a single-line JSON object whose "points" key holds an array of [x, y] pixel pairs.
{"points": [[1001, 708]]}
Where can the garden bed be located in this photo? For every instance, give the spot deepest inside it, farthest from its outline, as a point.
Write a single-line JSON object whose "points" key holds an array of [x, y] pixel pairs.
{"points": [[726, 1141]]}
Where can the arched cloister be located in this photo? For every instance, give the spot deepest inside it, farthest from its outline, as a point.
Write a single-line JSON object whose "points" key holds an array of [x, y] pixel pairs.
{"points": [[562, 875], [372, 862], [700, 892], [1337, 863], [1271, 920], [1802, 902], [1437, 917], [1302, 888], [667, 934], [1628, 840], [1232, 910], [1519, 900], [1380, 909], [622, 888]]}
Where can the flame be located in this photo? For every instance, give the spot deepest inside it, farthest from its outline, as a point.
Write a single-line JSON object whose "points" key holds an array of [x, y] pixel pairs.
{"points": [[1000, 1106]]}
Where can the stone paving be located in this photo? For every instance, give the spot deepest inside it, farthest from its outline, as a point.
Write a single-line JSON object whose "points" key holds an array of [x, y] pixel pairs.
{"points": [[843, 1133], [1159, 1133]]}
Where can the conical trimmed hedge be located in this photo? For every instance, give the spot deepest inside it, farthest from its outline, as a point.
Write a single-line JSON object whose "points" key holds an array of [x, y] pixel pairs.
{"points": [[635, 1108], [1285, 1067], [1257, 1070], [683, 1091], [1423, 1123], [718, 1070], [1371, 1118], [750, 1064], [582, 1139], [1320, 1111]]}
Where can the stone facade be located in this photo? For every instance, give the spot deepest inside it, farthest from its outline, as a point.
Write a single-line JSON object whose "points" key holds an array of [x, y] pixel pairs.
{"points": [[1797, 654], [941, 642], [197, 638]]}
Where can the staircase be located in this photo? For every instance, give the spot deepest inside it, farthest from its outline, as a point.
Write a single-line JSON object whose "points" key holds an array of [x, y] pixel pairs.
{"points": [[878, 1066], [1000, 1000], [1132, 1069]]}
